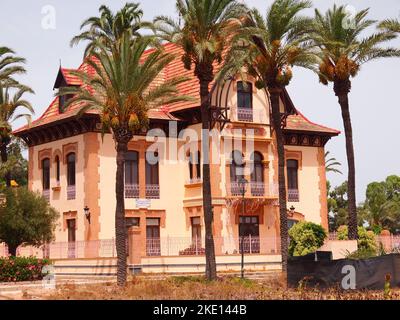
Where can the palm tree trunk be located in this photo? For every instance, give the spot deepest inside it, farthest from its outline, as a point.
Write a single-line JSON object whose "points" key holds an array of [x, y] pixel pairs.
{"points": [[211, 267], [4, 159], [342, 90], [120, 229], [276, 119], [12, 250]]}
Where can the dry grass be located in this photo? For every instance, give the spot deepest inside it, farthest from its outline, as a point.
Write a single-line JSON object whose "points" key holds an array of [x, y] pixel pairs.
{"points": [[196, 288]]}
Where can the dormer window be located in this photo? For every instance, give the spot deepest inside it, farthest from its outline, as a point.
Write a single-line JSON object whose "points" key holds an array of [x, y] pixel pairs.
{"points": [[63, 101], [65, 79], [245, 101]]}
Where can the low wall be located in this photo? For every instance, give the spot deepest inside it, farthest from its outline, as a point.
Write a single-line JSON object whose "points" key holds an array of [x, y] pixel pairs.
{"points": [[159, 265], [339, 248], [86, 267], [197, 264]]}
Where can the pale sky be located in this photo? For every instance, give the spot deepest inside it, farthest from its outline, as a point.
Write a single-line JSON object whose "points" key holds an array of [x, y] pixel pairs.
{"points": [[374, 100]]}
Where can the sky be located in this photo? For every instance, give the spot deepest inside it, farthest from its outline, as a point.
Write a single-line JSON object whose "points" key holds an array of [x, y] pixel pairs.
{"points": [[41, 31]]}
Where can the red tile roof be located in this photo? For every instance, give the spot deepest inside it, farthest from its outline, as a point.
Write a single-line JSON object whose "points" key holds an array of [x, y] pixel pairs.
{"points": [[190, 88], [70, 79], [299, 122]]}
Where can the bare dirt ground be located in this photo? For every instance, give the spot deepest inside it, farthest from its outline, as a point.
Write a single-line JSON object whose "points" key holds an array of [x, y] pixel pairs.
{"points": [[196, 288]]}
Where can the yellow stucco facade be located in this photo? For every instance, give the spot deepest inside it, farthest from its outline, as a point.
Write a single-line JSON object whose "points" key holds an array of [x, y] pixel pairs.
{"points": [[180, 198]]}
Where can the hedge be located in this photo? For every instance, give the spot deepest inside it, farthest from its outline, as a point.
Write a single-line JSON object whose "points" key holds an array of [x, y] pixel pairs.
{"points": [[15, 269]]}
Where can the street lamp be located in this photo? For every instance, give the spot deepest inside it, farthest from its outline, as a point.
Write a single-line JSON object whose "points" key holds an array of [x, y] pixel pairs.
{"points": [[242, 187], [87, 213]]}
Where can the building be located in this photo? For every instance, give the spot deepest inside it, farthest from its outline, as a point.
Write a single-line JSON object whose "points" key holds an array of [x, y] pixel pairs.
{"points": [[74, 167]]}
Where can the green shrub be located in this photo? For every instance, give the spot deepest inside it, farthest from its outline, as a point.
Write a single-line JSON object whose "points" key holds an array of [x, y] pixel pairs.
{"points": [[366, 239], [306, 237], [21, 269]]}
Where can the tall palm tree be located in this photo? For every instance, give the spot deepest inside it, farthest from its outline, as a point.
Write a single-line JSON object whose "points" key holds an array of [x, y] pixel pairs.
{"points": [[122, 91], [109, 27], [342, 51], [207, 26], [268, 48], [390, 25], [331, 164], [10, 65], [11, 101]]}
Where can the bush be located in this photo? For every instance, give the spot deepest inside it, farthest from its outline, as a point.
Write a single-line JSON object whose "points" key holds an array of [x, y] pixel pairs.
{"points": [[22, 269], [366, 239], [305, 238]]}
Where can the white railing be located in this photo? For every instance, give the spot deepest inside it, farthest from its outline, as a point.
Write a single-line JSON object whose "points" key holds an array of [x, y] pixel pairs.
{"points": [[293, 195], [164, 246], [152, 191], [131, 191], [71, 192], [245, 114], [187, 246], [46, 194]]}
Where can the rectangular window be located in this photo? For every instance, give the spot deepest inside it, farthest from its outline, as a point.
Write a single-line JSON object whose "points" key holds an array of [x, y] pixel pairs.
{"points": [[153, 245], [152, 176], [132, 174], [46, 174], [245, 101], [196, 231], [293, 180]]}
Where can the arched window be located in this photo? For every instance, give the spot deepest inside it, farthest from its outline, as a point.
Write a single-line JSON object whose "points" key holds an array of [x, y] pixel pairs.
{"points": [[293, 180], [57, 162], [245, 101], [132, 174], [71, 169], [46, 174], [194, 166], [71, 176], [237, 166], [257, 175], [152, 177]]}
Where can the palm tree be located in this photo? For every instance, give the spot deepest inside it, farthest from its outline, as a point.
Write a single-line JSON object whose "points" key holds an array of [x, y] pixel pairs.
{"points": [[342, 51], [331, 164], [204, 35], [10, 65], [11, 100], [268, 48], [390, 25], [109, 27], [122, 91]]}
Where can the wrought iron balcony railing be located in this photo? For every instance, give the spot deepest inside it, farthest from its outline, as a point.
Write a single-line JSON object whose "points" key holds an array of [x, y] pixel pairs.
{"points": [[257, 188], [131, 191], [71, 192], [293, 195], [152, 191], [245, 114]]}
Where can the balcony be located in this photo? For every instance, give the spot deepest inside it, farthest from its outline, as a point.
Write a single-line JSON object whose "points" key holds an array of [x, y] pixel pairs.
{"points": [[245, 114], [152, 191], [293, 195], [131, 191], [257, 189], [46, 194], [71, 193]]}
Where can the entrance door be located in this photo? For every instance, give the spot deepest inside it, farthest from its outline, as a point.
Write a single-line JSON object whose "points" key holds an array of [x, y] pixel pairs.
{"points": [[71, 226], [249, 233], [153, 237]]}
